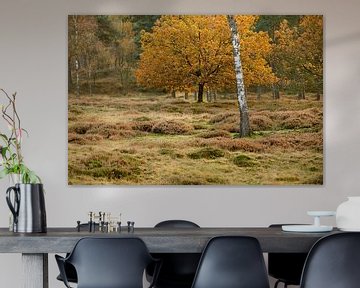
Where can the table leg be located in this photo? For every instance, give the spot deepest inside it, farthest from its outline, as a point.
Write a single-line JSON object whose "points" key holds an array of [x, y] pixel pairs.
{"points": [[35, 270]]}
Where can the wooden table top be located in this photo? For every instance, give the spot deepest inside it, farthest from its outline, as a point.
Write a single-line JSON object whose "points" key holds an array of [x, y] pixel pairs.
{"points": [[158, 240]]}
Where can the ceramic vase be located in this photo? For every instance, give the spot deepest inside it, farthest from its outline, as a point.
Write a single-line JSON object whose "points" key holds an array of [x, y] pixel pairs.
{"points": [[27, 204], [13, 179], [348, 214]]}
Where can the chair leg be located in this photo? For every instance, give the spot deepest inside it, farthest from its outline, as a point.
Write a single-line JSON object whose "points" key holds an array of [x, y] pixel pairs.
{"points": [[278, 282]]}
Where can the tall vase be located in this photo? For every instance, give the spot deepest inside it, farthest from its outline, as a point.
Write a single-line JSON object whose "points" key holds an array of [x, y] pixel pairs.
{"points": [[27, 204], [348, 214], [13, 179]]}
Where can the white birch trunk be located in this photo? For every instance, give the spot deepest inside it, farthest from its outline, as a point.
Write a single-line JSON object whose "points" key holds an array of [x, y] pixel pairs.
{"points": [[241, 95], [76, 55]]}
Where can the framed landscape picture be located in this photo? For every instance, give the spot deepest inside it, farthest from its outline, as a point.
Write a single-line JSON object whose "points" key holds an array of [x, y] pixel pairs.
{"points": [[195, 100]]}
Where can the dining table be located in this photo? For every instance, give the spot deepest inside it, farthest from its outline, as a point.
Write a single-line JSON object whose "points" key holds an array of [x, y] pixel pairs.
{"points": [[35, 247]]}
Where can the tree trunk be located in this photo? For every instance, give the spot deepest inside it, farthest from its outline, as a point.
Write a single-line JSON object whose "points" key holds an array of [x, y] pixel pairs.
{"points": [[201, 93], [318, 96], [214, 95], [258, 92], [89, 82], [77, 77], [173, 93], [70, 82], [301, 94], [241, 96], [208, 96], [77, 64], [275, 92], [186, 95]]}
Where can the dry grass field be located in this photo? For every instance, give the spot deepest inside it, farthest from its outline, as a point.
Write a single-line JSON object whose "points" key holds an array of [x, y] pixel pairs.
{"points": [[155, 139]]}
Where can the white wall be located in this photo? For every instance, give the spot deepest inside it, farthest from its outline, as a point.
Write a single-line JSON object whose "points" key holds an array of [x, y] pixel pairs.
{"points": [[33, 49]]}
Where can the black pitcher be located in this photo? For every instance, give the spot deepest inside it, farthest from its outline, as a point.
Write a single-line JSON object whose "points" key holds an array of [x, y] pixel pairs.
{"points": [[28, 207]]}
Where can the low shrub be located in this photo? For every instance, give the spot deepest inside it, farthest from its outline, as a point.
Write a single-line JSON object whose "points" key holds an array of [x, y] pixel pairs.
{"points": [[298, 141], [84, 139], [199, 110], [142, 119], [173, 109], [171, 127], [297, 119], [111, 165], [80, 128], [215, 134], [230, 127], [246, 145], [103, 130], [76, 139], [315, 180], [207, 153], [76, 110], [145, 126], [227, 117], [195, 180], [170, 152], [260, 122], [301, 120], [243, 161], [288, 179]]}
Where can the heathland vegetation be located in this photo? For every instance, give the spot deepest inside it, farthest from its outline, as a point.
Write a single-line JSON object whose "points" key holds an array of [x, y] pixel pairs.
{"points": [[152, 100]]}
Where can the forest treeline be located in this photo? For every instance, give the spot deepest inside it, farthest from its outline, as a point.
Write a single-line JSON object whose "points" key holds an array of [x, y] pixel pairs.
{"points": [[193, 54]]}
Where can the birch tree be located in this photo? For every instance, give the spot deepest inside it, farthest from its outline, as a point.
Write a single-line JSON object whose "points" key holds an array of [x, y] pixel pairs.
{"points": [[241, 95]]}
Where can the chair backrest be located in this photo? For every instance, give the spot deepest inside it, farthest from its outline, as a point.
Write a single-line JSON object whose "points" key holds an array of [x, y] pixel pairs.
{"points": [[232, 262], [110, 262], [178, 269], [176, 224], [286, 267], [333, 262]]}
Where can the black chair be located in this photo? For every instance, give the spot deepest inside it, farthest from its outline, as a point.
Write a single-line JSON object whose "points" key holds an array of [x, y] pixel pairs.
{"points": [[69, 269], [333, 262], [286, 267], [232, 262], [178, 269], [108, 263]]}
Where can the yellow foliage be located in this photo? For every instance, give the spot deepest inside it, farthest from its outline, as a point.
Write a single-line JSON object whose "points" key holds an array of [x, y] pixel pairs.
{"points": [[182, 52]]}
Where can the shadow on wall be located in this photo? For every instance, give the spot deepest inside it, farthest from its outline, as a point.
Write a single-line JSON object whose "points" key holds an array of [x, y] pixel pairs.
{"points": [[344, 39]]}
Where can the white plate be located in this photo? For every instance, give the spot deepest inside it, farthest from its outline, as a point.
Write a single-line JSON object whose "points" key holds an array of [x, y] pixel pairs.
{"points": [[306, 228], [321, 213], [350, 229]]}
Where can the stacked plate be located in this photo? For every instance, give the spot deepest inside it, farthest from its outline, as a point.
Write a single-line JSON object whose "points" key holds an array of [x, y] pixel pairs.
{"points": [[316, 227]]}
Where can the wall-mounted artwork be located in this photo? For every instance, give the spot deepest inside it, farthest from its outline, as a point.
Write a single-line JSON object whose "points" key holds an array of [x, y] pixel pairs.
{"points": [[178, 100]]}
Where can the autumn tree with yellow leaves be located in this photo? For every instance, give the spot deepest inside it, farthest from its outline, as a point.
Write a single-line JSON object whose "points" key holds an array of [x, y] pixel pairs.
{"points": [[298, 55], [194, 52]]}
